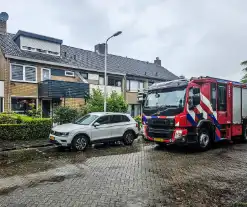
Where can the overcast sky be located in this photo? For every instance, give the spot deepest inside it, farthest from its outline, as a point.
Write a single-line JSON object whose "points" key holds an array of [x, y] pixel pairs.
{"points": [[191, 37]]}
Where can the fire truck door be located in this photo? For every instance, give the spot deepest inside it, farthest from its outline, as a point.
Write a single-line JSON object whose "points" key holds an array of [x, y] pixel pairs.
{"points": [[223, 115]]}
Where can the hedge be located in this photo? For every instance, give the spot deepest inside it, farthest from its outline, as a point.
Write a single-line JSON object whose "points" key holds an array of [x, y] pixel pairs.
{"points": [[27, 129]]}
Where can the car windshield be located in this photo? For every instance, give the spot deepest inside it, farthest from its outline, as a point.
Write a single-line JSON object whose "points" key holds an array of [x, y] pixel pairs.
{"points": [[172, 97], [86, 120]]}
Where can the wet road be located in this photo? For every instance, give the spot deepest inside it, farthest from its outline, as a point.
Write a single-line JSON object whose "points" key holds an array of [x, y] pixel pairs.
{"points": [[138, 175]]}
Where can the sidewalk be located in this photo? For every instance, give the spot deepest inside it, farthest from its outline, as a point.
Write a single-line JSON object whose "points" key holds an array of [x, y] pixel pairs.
{"points": [[21, 144]]}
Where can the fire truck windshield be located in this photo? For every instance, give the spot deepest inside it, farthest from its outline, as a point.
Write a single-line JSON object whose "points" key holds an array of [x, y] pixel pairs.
{"points": [[174, 97]]}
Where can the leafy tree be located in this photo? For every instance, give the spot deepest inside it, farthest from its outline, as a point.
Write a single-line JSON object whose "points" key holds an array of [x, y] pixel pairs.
{"points": [[244, 78], [95, 102], [115, 102]]}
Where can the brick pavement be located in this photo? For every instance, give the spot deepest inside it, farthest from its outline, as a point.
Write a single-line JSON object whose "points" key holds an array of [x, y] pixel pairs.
{"points": [[147, 177]]}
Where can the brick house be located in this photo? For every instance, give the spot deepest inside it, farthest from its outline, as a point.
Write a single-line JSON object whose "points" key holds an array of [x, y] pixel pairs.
{"points": [[41, 70]]}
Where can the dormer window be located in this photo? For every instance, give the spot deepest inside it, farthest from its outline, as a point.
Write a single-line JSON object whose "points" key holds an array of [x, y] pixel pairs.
{"points": [[38, 43], [74, 57], [65, 54]]}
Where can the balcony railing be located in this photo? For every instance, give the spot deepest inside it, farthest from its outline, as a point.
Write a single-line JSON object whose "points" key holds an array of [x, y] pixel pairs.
{"points": [[59, 89]]}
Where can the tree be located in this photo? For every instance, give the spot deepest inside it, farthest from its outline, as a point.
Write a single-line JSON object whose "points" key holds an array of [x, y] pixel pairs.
{"points": [[115, 102], [244, 78]]}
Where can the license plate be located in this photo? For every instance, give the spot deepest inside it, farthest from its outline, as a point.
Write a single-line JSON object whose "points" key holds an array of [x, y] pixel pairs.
{"points": [[158, 139], [52, 138]]}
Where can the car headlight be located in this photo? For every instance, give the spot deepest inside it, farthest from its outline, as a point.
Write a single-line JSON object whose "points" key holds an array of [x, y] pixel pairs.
{"points": [[64, 134]]}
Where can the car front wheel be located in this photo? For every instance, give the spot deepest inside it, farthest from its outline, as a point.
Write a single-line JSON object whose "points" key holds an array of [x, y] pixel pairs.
{"points": [[128, 138], [80, 143]]}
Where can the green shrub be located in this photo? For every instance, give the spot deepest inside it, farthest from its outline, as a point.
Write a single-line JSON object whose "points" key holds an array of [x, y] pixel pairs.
{"points": [[65, 114], [20, 127], [138, 119], [115, 102]]}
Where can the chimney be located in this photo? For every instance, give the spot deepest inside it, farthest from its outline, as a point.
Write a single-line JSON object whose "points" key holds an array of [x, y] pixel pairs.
{"points": [[100, 48], [157, 61], [3, 22]]}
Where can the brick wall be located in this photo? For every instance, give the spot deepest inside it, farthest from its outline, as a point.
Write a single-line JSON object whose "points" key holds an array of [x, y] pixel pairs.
{"points": [[3, 26], [23, 89], [73, 102]]}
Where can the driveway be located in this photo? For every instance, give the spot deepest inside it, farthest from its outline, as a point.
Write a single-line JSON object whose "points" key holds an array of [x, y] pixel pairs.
{"points": [[138, 175]]}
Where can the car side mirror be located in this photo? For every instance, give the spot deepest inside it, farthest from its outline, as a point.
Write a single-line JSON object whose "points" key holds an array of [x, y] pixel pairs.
{"points": [[96, 124]]}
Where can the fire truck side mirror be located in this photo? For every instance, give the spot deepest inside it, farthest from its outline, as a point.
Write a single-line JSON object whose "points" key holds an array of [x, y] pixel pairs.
{"points": [[196, 91]]}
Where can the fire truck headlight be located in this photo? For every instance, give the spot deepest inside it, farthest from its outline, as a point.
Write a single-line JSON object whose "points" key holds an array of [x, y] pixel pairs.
{"points": [[178, 134]]}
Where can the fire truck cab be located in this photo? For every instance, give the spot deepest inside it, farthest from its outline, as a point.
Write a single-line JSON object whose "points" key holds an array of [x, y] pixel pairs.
{"points": [[198, 111]]}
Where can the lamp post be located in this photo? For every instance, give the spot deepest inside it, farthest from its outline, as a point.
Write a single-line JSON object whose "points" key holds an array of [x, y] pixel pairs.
{"points": [[105, 92]]}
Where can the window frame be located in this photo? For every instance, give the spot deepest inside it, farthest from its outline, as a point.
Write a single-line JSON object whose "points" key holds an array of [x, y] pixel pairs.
{"points": [[128, 84], [42, 69], [68, 71], [115, 80], [109, 119], [24, 73], [85, 73], [214, 104], [23, 97], [218, 96]]}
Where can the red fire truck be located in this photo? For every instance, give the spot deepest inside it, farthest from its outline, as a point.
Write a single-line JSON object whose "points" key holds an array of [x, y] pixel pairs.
{"points": [[199, 111]]}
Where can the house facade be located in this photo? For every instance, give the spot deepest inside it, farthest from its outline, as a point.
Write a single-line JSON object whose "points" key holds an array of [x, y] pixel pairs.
{"points": [[40, 70]]}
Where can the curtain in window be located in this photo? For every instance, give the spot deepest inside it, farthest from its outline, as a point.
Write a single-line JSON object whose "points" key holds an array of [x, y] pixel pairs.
{"points": [[17, 72], [30, 73]]}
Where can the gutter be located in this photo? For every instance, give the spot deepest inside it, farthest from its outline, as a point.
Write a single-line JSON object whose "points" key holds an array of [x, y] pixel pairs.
{"points": [[59, 64]]}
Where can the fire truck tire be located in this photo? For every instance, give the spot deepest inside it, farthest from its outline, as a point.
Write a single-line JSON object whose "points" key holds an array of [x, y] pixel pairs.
{"points": [[204, 140], [244, 136]]}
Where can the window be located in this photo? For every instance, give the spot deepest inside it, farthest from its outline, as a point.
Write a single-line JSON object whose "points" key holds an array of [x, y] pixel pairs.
{"points": [[46, 74], [30, 74], [23, 73], [119, 118], [69, 73], [141, 85], [17, 72], [125, 118], [101, 80], [133, 85], [114, 81], [116, 118], [84, 75], [103, 120], [1, 104], [221, 97], [22, 105], [213, 96], [86, 120], [134, 110]]}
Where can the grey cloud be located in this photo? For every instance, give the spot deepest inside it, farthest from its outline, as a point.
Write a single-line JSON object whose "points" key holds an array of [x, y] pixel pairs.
{"points": [[206, 37]]}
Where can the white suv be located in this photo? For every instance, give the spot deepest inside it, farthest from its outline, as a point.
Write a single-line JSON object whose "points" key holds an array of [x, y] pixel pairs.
{"points": [[95, 127]]}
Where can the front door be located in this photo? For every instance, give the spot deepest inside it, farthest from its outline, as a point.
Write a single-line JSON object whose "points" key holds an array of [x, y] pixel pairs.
{"points": [[46, 108], [103, 131]]}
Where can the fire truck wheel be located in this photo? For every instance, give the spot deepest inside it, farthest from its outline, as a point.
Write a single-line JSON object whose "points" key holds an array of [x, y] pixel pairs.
{"points": [[204, 140], [244, 136]]}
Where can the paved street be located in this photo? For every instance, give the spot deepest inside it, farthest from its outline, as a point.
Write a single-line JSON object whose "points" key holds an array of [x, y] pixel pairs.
{"points": [[141, 175]]}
